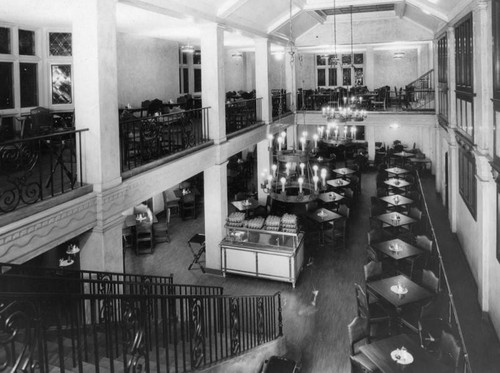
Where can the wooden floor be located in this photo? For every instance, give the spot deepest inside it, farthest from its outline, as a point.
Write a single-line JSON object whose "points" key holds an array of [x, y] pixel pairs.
{"points": [[317, 335]]}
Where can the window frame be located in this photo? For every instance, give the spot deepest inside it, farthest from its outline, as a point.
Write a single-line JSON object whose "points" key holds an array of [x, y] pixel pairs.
{"points": [[443, 71], [467, 182], [339, 69]]}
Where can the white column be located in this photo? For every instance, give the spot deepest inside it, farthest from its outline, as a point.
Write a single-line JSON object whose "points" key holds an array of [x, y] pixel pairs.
{"points": [[369, 69], [262, 84], [213, 80], [96, 108], [264, 162], [486, 222], [483, 111], [452, 83], [215, 206]]}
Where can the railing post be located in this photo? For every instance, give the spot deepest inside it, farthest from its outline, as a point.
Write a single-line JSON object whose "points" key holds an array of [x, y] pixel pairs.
{"points": [[280, 317]]}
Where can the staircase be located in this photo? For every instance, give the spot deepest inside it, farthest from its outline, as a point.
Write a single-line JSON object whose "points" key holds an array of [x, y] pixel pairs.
{"points": [[420, 94], [84, 321]]}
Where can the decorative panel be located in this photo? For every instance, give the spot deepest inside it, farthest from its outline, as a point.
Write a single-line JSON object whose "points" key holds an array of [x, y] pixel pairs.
{"points": [[60, 44], [358, 58], [346, 59]]}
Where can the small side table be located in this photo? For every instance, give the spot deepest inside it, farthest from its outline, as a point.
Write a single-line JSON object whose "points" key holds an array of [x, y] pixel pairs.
{"points": [[198, 239]]}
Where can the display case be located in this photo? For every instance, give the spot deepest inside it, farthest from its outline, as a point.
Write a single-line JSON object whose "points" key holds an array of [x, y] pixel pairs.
{"points": [[261, 253]]}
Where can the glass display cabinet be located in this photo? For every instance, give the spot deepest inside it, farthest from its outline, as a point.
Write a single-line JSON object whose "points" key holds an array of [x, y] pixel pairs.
{"points": [[262, 253]]}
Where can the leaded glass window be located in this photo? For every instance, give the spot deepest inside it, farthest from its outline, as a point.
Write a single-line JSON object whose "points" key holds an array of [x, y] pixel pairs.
{"points": [[346, 59], [26, 42], [61, 84], [346, 76], [6, 89], [5, 40], [60, 44]]}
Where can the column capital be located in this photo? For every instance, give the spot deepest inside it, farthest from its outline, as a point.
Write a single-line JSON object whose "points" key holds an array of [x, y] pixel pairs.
{"points": [[484, 171]]}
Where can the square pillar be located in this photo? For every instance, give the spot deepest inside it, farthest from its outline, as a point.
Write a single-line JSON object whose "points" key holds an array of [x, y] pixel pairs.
{"points": [[216, 209], [264, 162], [262, 83], [213, 80]]}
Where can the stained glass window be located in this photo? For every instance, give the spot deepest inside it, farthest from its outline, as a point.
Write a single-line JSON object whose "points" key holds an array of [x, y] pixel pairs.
{"points": [[60, 44], [320, 60], [346, 76], [197, 57], [29, 84], [346, 59], [61, 84], [5, 40], [26, 42], [358, 77], [358, 58]]}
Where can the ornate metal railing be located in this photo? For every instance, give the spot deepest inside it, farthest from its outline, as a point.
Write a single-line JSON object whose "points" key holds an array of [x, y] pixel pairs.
{"points": [[38, 168], [144, 140], [451, 315], [242, 114], [280, 104], [136, 333], [420, 94]]}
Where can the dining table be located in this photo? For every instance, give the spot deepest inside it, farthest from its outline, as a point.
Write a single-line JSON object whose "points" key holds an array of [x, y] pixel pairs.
{"points": [[403, 156], [338, 183], [246, 205], [181, 192], [397, 202], [396, 220], [397, 249], [397, 183], [397, 171], [388, 356], [344, 171], [132, 220], [330, 197], [321, 217], [399, 291]]}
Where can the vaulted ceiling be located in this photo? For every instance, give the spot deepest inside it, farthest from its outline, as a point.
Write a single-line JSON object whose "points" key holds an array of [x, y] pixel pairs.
{"points": [[312, 24]]}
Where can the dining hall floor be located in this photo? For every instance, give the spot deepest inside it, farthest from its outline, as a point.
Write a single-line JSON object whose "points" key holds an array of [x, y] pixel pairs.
{"points": [[317, 335]]}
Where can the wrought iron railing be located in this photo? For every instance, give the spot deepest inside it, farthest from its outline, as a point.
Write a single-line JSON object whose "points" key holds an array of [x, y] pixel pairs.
{"points": [[420, 94], [280, 104], [451, 315], [144, 140], [38, 168], [242, 114], [132, 332]]}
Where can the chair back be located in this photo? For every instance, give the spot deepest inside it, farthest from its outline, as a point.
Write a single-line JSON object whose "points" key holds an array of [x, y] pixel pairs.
{"points": [[41, 121], [415, 213], [450, 351], [423, 242], [378, 235], [362, 302], [372, 255], [358, 331], [373, 270], [430, 281], [344, 211], [144, 227], [188, 199]]}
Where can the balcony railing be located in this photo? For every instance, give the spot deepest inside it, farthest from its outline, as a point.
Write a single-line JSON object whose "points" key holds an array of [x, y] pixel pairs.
{"points": [[144, 140], [280, 104], [242, 114], [38, 168]]}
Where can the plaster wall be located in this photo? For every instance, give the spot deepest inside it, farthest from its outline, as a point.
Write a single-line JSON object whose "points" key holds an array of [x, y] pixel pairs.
{"points": [[468, 235], [305, 72], [395, 72], [494, 289], [277, 74], [148, 68], [235, 71]]}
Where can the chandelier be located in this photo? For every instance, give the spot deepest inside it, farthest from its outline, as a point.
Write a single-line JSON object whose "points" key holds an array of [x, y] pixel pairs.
{"points": [[187, 48], [294, 177]]}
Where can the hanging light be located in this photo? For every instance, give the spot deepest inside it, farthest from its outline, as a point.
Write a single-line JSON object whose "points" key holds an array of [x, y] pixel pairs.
{"points": [[398, 55], [187, 48], [334, 61], [237, 55]]}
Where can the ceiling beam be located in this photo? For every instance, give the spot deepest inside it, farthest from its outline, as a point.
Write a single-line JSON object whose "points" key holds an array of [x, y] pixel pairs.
{"points": [[229, 7], [282, 19], [428, 10], [400, 9], [176, 10]]}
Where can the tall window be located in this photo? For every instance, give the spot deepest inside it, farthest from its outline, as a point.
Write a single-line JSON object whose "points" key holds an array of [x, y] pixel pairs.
{"points": [[467, 178], [19, 67], [189, 72], [464, 74], [350, 71], [197, 71], [443, 76]]}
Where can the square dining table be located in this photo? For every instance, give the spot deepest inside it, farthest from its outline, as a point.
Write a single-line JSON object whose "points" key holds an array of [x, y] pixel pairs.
{"points": [[344, 171], [330, 197], [385, 289], [397, 183], [397, 171], [379, 352], [338, 183], [396, 220], [246, 205], [397, 249], [397, 201], [323, 216]]}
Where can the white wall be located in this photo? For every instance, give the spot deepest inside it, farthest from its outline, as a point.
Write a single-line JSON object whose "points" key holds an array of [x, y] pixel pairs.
{"points": [[395, 72], [235, 71], [148, 68]]}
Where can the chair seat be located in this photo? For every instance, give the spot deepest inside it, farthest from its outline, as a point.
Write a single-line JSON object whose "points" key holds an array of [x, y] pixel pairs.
{"points": [[362, 361]]}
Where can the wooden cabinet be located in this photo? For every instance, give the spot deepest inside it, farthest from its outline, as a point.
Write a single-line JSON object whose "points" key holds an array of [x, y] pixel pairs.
{"points": [[266, 254]]}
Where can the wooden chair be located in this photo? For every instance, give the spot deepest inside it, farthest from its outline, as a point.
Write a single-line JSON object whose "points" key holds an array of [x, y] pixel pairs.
{"points": [[374, 313], [430, 281], [144, 239], [373, 271], [187, 206], [41, 122], [358, 331], [378, 235], [380, 100], [431, 322], [421, 261], [449, 351]]}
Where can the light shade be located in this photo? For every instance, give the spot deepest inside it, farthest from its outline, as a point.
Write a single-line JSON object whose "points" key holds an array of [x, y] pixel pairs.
{"points": [[237, 55], [398, 55], [188, 48]]}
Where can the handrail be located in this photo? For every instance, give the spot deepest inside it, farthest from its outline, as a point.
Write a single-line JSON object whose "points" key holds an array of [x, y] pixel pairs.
{"points": [[441, 266], [175, 333], [421, 77], [43, 137]]}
